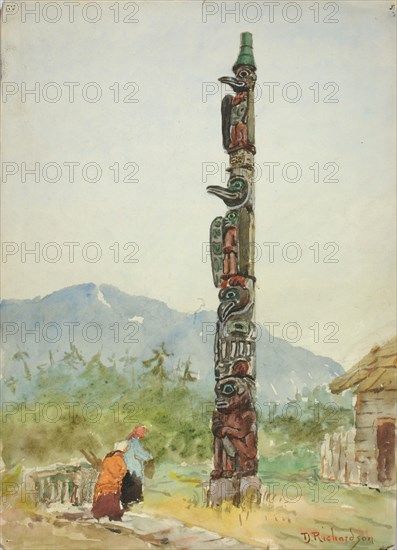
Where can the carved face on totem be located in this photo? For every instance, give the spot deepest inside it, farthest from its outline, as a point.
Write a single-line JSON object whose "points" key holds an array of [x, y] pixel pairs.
{"points": [[240, 368], [237, 185], [230, 219], [242, 328], [246, 75], [234, 393], [243, 81], [234, 195], [232, 300]]}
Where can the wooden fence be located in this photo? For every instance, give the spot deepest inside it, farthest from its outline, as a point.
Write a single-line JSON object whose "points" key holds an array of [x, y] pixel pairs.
{"points": [[338, 457], [64, 483]]}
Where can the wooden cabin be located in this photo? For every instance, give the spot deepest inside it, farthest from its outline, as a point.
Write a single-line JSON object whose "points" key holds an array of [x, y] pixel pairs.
{"points": [[374, 381]]}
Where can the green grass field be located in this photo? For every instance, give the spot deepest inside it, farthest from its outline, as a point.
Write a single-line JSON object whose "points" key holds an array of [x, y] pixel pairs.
{"points": [[299, 510]]}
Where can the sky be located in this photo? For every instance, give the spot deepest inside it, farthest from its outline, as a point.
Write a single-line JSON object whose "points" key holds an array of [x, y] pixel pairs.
{"points": [[124, 131]]}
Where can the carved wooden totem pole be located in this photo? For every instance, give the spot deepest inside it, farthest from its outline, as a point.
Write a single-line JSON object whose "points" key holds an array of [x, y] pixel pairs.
{"points": [[232, 258]]}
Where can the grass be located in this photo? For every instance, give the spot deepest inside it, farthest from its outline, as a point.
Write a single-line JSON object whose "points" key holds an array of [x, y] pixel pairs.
{"points": [[298, 509]]}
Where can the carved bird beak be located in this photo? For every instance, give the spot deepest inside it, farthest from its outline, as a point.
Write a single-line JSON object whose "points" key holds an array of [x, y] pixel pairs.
{"points": [[233, 82], [225, 309], [223, 193]]}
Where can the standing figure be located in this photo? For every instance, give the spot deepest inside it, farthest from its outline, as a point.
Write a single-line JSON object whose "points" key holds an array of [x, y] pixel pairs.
{"points": [[237, 124], [108, 486], [234, 428], [230, 244], [135, 458], [238, 121]]}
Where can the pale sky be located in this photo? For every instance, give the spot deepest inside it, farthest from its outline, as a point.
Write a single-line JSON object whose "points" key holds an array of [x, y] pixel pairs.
{"points": [[172, 52]]}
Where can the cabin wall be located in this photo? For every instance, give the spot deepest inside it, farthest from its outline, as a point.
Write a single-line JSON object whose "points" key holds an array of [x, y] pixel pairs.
{"points": [[352, 456], [370, 408]]}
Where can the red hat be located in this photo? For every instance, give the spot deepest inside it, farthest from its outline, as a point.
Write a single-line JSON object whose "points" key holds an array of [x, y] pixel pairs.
{"points": [[136, 431]]}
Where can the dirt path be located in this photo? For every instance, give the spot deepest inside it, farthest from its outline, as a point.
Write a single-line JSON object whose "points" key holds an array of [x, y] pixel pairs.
{"points": [[68, 528], [20, 531]]}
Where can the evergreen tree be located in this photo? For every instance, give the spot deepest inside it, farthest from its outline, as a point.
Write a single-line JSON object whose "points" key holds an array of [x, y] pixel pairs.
{"points": [[21, 356], [187, 374], [155, 365], [128, 362]]}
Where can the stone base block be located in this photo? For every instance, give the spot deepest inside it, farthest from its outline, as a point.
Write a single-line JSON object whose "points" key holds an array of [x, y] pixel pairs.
{"points": [[239, 491]]}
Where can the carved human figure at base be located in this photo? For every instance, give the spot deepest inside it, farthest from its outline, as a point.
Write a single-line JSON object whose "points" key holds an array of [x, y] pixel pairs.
{"points": [[234, 428]]}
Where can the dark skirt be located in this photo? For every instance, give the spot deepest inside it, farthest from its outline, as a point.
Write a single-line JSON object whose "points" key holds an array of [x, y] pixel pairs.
{"points": [[131, 489], [108, 505]]}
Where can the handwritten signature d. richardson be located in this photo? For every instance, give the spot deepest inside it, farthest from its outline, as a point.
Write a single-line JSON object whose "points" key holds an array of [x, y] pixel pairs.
{"points": [[355, 538]]}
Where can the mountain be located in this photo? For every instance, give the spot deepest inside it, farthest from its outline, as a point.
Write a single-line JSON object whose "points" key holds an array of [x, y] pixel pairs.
{"points": [[102, 318]]}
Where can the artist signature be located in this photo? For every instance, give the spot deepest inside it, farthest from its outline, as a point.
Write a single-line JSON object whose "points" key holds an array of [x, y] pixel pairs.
{"points": [[354, 538]]}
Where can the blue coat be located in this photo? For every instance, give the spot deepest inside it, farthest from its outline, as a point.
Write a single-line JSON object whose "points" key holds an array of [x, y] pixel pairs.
{"points": [[135, 457]]}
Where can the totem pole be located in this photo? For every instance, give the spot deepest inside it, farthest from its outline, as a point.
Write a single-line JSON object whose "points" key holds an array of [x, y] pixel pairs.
{"points": [[232, 259]]}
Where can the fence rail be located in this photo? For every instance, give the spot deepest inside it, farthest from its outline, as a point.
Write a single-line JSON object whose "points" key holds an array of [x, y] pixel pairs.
{"points": [[64, 483]]}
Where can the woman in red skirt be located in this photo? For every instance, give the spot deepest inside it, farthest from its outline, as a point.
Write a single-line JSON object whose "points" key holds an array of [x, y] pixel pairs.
{"points": [[108, 486]]}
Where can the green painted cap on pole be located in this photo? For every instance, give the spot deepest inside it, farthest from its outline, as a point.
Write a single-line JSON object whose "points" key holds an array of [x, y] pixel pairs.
{"points": [[246, 55]]}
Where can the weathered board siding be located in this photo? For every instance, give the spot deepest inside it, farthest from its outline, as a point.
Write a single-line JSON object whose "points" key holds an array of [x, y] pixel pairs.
{"points": [[338, 457], [371, 407], [352, 456]]}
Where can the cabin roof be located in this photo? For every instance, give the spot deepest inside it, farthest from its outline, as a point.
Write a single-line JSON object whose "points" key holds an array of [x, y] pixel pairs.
{"points": [[375, 372]]}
